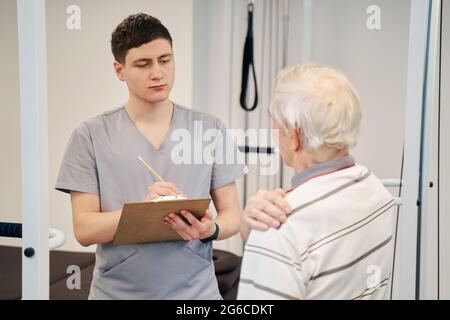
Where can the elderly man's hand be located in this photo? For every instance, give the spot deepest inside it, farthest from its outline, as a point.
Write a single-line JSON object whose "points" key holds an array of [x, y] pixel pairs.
{"points": [[266, 209]]}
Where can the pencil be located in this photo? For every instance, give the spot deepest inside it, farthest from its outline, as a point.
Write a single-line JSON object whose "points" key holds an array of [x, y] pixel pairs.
{"points": [[153, 172]]}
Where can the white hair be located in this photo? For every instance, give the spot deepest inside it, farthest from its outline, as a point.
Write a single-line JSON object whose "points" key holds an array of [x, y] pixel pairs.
{"points": [[319, 102]]}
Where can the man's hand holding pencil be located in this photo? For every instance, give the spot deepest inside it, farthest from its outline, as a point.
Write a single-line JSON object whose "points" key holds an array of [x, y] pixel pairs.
{"points": [[187, 226], [160, 189]]}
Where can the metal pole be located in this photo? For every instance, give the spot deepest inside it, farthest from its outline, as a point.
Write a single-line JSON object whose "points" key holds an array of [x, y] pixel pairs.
{"points": [[34, 141], [429, 270], [405, 280]]}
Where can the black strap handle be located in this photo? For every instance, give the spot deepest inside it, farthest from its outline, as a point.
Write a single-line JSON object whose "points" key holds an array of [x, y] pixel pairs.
{"points": [[10, 230], [247, 63]]}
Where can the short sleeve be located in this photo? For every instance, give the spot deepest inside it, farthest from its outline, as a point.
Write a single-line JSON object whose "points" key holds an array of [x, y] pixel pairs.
{"points": [[78, 171], [229, 163]]}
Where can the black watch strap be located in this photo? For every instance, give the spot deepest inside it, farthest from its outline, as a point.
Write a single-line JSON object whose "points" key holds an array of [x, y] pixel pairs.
{"points": [[213, 237]]}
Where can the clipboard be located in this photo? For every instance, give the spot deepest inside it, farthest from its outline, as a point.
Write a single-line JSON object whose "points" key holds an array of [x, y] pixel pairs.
{"points": [[143, 222]]}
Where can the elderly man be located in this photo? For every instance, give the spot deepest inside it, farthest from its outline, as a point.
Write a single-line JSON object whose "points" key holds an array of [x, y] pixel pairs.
{"points": [[330, 237]]}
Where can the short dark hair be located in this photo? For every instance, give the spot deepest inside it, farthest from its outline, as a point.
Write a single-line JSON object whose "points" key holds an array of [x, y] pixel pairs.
{"points": [[136, 30]]}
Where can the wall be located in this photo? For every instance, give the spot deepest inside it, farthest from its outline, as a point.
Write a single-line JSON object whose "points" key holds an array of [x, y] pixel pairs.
{"points": [[375, 61], [10, 168]]}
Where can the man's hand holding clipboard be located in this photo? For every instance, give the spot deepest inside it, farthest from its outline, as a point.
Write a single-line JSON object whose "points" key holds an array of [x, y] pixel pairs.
{"points": [[187, 225]]}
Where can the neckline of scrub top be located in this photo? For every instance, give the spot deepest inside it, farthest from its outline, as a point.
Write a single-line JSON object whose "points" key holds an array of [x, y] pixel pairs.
{"points": [[167, 136]]}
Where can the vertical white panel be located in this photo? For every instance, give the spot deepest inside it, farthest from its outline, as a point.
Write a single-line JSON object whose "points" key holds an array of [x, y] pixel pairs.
{"points": [[303, 56], [33, 101], [405, 275], [429, 218], [213, 56]]}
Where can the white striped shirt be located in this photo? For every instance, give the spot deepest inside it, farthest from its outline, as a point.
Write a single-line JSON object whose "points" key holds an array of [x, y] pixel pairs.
{"points": [[336, 244]]}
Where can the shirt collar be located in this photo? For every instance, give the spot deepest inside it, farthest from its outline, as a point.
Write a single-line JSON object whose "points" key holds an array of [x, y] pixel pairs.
{"points": [[322, 169]]}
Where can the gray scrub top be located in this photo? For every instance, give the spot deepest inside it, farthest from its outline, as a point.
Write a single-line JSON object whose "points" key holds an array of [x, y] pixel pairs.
{"points": [[101, 159]]}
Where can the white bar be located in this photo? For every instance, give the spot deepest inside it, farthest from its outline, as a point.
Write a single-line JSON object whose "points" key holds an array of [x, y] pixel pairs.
{"points": [[34, 140], [429, 226], [391, 182], [405, 269], [56, 238]]}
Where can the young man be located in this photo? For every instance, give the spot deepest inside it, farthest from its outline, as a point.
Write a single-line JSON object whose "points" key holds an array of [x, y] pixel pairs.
{"points": [[101, 171], [331, 236]]}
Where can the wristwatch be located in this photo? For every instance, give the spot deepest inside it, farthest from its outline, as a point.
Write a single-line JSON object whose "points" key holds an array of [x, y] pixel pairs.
{"points": [[213, 237]]}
